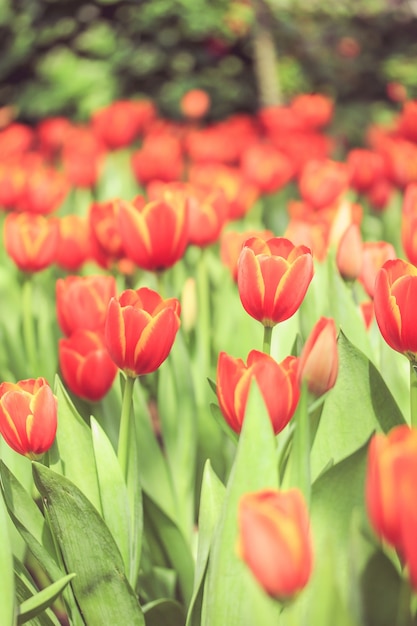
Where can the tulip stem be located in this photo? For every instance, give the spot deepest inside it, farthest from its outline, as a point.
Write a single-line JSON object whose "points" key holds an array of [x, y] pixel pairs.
{"points": [[413, 393], [267, 339], [124, 432], [28, 325]]}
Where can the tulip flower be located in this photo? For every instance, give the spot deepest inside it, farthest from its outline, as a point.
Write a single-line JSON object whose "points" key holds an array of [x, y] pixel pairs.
{"points": [[266, 167], [106, 241], [409, 223], [155, 235], [140, 330], [28, 416], [322, 182], [159, 158], [207, 214], [233, 383], [119, 124], [374, 255], [231, 244], [275, 540], [81, 301], [31, 240], [395, 297], [366, 167], [349, 253], [74, 247], [273, 277], [390, 489], [319, 360], [85, 364]]}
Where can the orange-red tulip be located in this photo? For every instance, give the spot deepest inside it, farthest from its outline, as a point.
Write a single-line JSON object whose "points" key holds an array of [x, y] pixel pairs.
{"points": [[231, 243], [366, 168], [273, 277], [266, 167], [31, 240], [119, 124], [82, 301], [409, 223], [160, 158], [140, 330], [85, 364], [349, 253], [74, 247], [28, 416], [323, 182], [395, 298], [374, 255], [155, 235], [275, 540], [233, 384], [318, 364]]}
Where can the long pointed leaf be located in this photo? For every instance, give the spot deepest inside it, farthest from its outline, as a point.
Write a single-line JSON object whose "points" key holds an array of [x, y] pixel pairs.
{"points": [[42, 600]]}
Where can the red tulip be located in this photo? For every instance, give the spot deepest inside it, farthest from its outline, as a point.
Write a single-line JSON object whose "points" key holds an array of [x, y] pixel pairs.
{"points": [[85, 364], [119, 124], [233, 384], [395, 298], [275, 540], [140, 330], [323, 182], [31, 240], [155, 235], [266, 167], [374, 255], [409, 223], [74, 247], [28, 416], [82, 301], [273, 277], [349, 253], [231, 244], [318, 364]]}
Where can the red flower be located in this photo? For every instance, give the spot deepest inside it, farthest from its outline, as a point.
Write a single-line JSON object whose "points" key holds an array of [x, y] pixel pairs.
{"points": [[409, 223], [195, 104], [275, 540], [106, 241], [140, 330], [318, 364], [233, 383], [366, 166], [349, 253], [74, 247], [31, 240], [82, 302], [323, 182], [119, 124], [231, 244], [374, 255], [155, 235], [207, 214], [266, 167], [160, 158], [273, 277], [315, 109], [44, 191], [28, 416], [395, 298], [86, 365]]}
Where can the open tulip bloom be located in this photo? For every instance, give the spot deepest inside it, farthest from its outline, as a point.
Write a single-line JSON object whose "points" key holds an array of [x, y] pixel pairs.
{"points": [[159, 462]]}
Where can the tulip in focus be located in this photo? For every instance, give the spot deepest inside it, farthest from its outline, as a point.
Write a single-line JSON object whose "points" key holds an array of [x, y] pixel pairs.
{"points": [[318, 364], [140, 330], [85, 364], [231, 244], [273, 277], [233, 383], [81, 302], [31, 240], [395, 298], [275, 540], [28, 416]]}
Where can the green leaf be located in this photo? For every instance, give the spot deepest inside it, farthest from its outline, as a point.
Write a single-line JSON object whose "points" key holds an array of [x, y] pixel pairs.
{"points": [[113, 492], [25, 589], [72, 453], [7, 587], [298, 470], [359, 404], [172, 543], [231, 594], [88, 549], [224, 426], [166, 612], [42, 600], [211, 502]]}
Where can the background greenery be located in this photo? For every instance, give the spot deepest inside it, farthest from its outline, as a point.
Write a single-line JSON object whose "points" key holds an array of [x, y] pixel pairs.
{"points": [[71, 56]]}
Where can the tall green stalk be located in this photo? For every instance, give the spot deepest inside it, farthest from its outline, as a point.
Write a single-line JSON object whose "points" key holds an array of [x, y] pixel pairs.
{"points": [[124, 432], [267, 339], [413, 393], [29, 337]]}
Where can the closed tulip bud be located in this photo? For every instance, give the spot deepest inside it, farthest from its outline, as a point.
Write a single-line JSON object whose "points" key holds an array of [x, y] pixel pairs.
{"points": [[28, 416], [233, 384], [31, 240], [349, 253], [319, 360], [275, 540], [86, 366], [395, 298], [140, 330], [81, 302], [273, 277]]}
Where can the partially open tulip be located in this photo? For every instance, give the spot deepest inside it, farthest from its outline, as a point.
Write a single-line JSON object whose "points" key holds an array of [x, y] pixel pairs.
{"points": [[273, 277], [81, 301], [395, 298], [85, 364], [234, 378], [140, 330], [155, 235], [390, 491], [275, 540], [31, 240], [318, 364], [28, 416]]}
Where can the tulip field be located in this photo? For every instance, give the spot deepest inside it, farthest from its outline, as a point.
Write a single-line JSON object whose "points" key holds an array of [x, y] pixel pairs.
{"points": [[208, 369]]}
